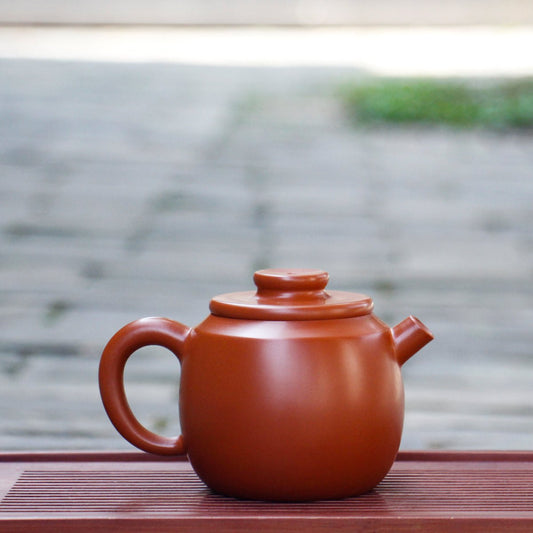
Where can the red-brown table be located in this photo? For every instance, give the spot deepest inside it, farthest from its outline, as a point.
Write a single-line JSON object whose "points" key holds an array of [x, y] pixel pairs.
{"points": [[432, 491]]}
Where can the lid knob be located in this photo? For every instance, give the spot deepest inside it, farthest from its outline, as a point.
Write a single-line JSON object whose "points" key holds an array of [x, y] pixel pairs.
{"points": [[290, 280]]}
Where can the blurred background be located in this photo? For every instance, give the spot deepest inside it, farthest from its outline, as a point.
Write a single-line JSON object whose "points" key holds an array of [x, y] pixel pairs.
{"points": [[155, 154]]}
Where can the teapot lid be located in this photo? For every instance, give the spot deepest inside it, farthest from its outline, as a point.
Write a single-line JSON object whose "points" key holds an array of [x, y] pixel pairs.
{"points": [[291, 294]]}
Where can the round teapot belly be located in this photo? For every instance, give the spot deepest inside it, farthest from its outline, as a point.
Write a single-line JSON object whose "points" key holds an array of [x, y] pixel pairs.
{"points": [[291, 419]]}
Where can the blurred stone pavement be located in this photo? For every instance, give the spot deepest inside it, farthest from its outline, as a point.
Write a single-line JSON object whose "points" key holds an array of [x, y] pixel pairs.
{"points": [[130, 190]]}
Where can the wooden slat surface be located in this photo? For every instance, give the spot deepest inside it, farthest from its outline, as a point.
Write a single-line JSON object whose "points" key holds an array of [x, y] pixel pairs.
{"points": [[441, 491]]}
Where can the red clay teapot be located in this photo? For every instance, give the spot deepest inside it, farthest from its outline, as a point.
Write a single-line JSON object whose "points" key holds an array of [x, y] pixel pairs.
{"points": [[287, 393]]}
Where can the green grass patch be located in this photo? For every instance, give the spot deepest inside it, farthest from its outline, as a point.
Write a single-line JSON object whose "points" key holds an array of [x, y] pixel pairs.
{"points": [[496, 105]]}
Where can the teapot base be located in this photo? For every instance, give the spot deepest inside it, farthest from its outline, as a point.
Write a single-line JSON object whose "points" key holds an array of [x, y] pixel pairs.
{"points": [[301, 495], [324, 479]]}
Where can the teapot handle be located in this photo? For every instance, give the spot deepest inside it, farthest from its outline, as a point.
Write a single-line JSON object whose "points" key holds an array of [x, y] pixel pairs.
{"points": [[144, 332]]}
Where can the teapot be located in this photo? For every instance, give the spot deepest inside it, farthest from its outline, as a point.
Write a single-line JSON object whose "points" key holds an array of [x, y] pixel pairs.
{"points": [[288, 393]]}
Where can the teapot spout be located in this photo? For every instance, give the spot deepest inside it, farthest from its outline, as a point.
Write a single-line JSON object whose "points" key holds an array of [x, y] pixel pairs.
{"points": [[409, 336]]}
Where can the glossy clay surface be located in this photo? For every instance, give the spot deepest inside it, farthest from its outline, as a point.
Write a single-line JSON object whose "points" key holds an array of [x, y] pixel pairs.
{"points": [[301, 400]]}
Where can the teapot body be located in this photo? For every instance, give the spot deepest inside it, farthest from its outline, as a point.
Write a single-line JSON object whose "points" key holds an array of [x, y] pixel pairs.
{"points": [[291, 410]]}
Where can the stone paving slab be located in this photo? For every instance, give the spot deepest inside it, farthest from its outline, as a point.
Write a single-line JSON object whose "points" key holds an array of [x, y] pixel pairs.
{"points": [[137, 190]]}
